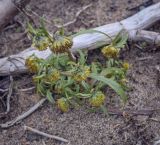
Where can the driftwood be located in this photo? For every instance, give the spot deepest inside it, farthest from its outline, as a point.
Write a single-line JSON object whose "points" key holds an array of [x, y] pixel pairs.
{"points": [[8, 10], [134, 25]]}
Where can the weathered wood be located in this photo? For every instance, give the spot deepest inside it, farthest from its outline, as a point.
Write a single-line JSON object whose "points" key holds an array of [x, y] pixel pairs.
{"points": [[8, 10], [134, 25], [147, 36]]}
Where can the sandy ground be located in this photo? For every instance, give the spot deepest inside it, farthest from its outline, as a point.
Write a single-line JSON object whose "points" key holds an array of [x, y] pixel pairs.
{"points": [[80, 126]]}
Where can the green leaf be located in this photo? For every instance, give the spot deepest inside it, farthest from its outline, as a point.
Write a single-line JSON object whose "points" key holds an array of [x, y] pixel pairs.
{"points": [[91, 31], [94, 68], [85, 85], [63, 60], [121, 39], [112, 70], [82, 95], [113, 84], [104, 110], [49, 96], [82, 58]]}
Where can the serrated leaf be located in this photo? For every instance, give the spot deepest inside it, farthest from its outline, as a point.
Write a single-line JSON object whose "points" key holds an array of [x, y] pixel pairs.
{"points": [[113, 84]]}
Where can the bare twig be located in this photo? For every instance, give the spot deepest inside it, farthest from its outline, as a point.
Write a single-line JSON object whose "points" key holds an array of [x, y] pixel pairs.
{"points": [[2, 100], [158, 75], [45, 134], [76, 17], [24, 115], [27, 10], [27, 89], [157, 142], [3, 90], [8, 10], [10, 90], [43, 142], [21, 9], [9, 27], [144, 58], [99, 11], [155, 120]]}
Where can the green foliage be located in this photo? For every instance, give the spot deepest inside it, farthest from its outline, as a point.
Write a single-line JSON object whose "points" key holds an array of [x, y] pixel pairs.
{"points": [[69, 82], [120, 40], [111, 83]]}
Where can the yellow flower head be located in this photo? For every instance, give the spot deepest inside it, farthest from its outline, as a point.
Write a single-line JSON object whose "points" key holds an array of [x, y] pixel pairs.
{"points": [[126, 65], [32, 64], [54, 75], [41, 43], [63, 104], [58, 89], [82, 74], [61, 45], [97, 99], [123, 81], [110, 51]]}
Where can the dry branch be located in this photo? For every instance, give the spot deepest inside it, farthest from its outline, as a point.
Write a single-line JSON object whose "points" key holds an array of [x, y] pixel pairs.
{"points": [[134, 25], [45, 134], [8, 10], [24, 115], [147, 36], [10, 90]]}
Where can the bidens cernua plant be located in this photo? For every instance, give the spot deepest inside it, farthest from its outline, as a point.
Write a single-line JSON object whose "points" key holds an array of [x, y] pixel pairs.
{"points": [[68, 82]]}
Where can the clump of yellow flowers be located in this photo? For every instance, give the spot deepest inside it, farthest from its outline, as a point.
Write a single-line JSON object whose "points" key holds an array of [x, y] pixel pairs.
{"points": [[63, 104], [68, 82], [110, 51], [54, 75], [40, 43], [32, 63], [61, 44], [97, 99], [126, 65], [82, 74]]}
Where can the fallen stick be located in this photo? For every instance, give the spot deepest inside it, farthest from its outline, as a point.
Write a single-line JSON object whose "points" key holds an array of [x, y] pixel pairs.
{"points": [[147, 36], [45, 134], [10, 90], [157, 142], [8, 10], [27, 89], [24, 115], [133, 25]]}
